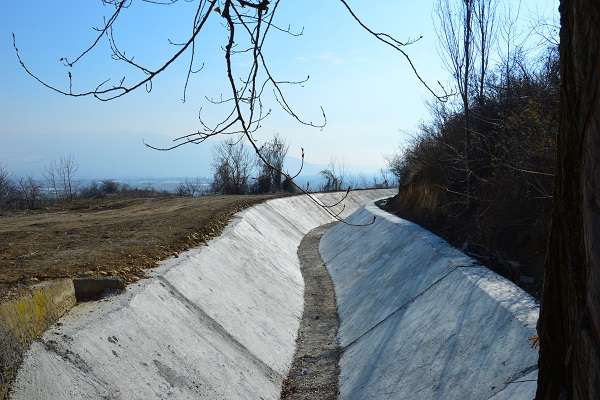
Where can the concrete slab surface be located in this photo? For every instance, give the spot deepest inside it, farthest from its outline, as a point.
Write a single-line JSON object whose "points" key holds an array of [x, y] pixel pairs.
{"points": [[420, 320], [218, 322]]}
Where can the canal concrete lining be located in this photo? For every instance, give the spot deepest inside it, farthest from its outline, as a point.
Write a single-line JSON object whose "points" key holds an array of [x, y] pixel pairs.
{"points": [[420, 320], [219, 321]]}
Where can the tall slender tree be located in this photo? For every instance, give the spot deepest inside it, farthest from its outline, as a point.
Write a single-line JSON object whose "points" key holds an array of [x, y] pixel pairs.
{"points": [[485, 38], [466, 31]]}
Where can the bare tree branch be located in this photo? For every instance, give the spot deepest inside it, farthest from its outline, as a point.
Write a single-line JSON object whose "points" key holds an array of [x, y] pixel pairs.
{"points": [[397, 45], [247, 24]]}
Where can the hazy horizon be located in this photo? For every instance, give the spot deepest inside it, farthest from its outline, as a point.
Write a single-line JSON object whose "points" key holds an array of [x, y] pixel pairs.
{"points": [[100, 158]]}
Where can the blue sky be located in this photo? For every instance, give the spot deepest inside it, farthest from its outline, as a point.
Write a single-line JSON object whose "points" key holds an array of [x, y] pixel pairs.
{"points": [[369, 94]]}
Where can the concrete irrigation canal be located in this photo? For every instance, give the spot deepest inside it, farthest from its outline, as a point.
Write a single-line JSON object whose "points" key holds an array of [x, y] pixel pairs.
{"points": [[417, 318]]}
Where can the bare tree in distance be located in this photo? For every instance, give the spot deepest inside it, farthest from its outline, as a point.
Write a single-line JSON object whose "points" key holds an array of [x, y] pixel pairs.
{"points": [[189, 188], [51, 175], [232, 165], [270, 177], [247, 24], [334, 175], [61, 175], [30, 190], [7, 188], [467, 33], [511, 46], [386, 179], [109, 186]]}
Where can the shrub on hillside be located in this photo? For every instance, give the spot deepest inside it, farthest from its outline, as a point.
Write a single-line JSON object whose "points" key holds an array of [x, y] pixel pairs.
{"points": [[498, 186]]}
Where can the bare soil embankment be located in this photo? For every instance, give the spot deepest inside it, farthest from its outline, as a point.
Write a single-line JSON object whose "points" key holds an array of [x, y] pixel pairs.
{"points": [[107, 237]]}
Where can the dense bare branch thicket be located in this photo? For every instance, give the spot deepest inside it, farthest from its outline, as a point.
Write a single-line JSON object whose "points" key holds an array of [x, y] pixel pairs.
{"points": [[232, 165], [511, 158], [270, 178], [237, 169]]}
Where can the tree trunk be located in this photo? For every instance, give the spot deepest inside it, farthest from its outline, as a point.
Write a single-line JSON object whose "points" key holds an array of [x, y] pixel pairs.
{"points": [[465, 94], [570, 312]]}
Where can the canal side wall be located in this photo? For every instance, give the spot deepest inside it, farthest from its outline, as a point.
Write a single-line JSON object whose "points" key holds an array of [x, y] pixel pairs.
{"points": [[421, 320]]}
